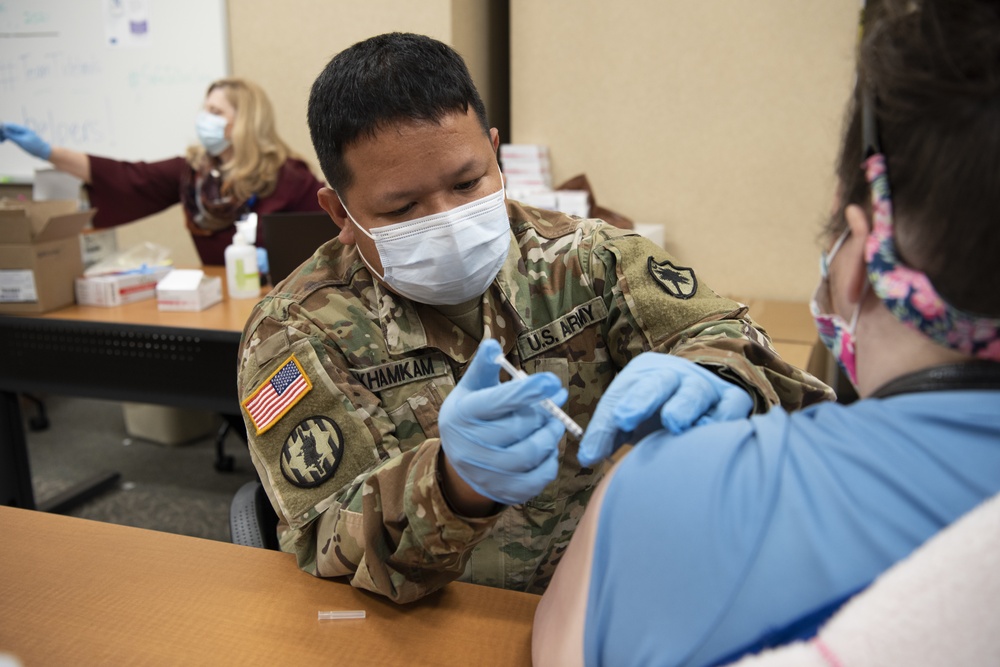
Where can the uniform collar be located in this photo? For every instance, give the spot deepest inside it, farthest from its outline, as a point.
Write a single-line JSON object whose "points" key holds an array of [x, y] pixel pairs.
{"points": [[410, 327]]}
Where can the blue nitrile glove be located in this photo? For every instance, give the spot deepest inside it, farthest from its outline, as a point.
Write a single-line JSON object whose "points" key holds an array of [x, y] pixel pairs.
{"points": [[681, 391], [26, 139], [495, 437]]}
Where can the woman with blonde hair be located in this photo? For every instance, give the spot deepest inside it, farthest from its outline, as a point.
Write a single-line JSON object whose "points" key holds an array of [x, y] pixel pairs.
{"points": [[240, 166]]}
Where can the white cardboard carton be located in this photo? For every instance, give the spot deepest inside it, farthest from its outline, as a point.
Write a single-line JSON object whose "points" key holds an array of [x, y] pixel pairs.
{"points": [[116, 289], [188, 289]]}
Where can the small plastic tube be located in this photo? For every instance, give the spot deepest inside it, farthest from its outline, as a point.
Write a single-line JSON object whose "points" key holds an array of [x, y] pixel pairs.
{"points": [[339, 615], [547, 403]]}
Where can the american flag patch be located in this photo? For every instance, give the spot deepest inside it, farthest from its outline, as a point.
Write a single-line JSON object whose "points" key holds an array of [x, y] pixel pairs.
{"points": [[277, 395]]}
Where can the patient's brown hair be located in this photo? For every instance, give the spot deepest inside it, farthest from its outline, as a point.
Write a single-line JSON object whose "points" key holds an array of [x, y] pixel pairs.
{"points": [[933, 67]]}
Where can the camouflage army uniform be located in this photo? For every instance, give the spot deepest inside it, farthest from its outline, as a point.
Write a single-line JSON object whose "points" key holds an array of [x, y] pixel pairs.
{"points": [[351, 379]]}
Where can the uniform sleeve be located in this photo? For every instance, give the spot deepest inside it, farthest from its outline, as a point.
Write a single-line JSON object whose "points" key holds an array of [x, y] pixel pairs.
{"points": [[126, 191], [351, 503], [656, 303]]}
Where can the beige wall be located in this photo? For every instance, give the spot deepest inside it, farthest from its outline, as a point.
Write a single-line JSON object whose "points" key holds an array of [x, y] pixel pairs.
{"points": [[716, 119], [284, 45]]}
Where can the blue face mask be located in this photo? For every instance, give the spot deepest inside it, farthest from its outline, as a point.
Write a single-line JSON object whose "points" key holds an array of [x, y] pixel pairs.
{"points": [[211, 129]]}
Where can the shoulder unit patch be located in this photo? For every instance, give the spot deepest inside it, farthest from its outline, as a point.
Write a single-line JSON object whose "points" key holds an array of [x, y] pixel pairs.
{"points": [[312, 452], [677, 281]]}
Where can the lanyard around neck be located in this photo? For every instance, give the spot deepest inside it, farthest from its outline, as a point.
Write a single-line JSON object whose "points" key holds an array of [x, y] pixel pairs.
{"points": [[972, 375]]}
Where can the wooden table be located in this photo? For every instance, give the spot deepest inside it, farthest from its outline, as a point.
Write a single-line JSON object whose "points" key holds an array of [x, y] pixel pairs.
{"points": [[133, 352], [79, 592], [230, 315]]}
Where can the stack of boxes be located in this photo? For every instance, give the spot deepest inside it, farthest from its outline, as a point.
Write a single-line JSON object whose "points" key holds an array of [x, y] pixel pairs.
{"points": [[528, 179], [527, 169]]}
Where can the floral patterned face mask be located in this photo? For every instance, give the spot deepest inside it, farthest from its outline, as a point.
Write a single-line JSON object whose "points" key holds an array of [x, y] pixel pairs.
{"points": [[836, 334], [909, 294]]}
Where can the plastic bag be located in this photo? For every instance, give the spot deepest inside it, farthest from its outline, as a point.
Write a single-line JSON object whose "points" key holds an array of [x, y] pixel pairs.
{"points": [[141, 258]]}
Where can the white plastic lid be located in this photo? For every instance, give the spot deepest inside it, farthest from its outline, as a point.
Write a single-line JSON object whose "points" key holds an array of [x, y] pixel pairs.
{"points": [[246, 232]]}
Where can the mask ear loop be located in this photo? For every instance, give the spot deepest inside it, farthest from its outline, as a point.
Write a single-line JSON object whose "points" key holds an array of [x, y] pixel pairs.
{"points": [[366, 233]]}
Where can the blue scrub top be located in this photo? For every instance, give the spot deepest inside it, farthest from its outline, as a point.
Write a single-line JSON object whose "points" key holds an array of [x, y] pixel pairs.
{"points": [[740, 535]]}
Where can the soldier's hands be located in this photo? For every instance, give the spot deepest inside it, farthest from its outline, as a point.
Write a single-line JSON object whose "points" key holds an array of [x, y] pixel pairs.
{"points": [[494, 437], [26, 139], [682, 392]]}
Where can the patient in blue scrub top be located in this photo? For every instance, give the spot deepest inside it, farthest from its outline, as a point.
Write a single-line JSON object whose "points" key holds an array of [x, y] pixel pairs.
{"points": [[735, 536]]}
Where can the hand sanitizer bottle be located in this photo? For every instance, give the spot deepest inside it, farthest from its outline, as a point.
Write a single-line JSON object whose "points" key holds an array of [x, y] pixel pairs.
{"points": [[242, 276]]}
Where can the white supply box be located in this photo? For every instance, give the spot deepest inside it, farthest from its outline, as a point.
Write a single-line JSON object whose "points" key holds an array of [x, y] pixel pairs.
{"points": [[188, 289], [116, 289]]}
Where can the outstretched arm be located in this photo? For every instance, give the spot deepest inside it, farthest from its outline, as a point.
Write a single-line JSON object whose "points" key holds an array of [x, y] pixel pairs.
{"points": [[64, 159]]}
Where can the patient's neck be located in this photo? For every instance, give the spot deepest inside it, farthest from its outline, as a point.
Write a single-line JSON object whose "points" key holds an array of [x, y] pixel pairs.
{"points": [[887, 349]]}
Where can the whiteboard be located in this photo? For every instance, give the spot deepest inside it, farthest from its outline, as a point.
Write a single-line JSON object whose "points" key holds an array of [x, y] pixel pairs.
{"points": [[117, 78]]}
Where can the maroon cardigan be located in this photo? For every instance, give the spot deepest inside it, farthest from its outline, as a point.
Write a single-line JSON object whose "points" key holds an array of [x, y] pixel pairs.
{"points": [[126, 191]]}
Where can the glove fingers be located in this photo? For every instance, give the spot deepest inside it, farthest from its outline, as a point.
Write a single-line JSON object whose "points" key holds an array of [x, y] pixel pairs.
{"points": [[693, 398], [495, 402], [643, 398], [518, 488], [598, 441], [483, 371], [734, 404], [623, 407], [523, 451]]}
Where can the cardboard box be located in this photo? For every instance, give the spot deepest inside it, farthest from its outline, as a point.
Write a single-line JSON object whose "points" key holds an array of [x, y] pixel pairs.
{"points": [[115, 289], [539, 152], [39, 254], [167, 425], [188, 289]]}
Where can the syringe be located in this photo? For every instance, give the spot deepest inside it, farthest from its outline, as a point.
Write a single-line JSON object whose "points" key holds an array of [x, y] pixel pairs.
{"points": [[546, 403]]}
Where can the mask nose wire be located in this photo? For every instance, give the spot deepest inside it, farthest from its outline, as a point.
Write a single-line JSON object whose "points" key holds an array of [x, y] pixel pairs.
{"points": [[503, 189]]}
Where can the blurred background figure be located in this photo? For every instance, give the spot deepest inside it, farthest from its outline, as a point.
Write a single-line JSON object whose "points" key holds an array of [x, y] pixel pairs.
{"points": [[241, 165]]}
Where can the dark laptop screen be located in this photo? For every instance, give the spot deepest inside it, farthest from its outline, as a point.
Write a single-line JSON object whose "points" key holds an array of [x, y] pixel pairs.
{"points": [[292, 238]]}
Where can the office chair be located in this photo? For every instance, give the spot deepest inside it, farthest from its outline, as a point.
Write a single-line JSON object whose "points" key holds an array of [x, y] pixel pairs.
{"points": [[252, 521], [39, 422], [230, 423]]}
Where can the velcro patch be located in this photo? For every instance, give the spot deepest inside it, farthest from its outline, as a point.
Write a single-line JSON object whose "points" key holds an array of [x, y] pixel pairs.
{"points": [[396, 373], [653, 286], [312, 452], [321, 445], [277, 395], [677, 281], [533, 343]]}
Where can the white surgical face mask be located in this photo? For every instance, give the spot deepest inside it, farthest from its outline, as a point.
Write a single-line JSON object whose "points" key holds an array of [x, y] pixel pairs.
{"points": [[446, 258], [211, 129]]}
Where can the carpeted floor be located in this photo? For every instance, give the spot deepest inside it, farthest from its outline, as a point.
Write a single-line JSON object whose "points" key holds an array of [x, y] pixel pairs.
{"points": [[174, 489]]}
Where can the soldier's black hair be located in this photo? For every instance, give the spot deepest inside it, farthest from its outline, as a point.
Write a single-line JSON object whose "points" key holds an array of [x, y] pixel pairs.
{"points": [[933, 69], [379, 81]]}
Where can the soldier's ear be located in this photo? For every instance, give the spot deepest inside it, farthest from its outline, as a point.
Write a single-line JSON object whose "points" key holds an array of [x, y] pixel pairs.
{"points": [[330, 202]]}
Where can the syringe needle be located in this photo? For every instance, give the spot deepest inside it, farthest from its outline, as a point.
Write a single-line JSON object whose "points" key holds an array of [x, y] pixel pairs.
{"points": [[546, 403]]}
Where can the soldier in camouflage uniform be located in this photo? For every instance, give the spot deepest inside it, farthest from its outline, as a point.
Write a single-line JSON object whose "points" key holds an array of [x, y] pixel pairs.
{"points": [[342, 378]]}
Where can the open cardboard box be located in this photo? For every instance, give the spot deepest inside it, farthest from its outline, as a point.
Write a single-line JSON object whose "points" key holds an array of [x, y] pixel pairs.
{"points": [[39, 254]]}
